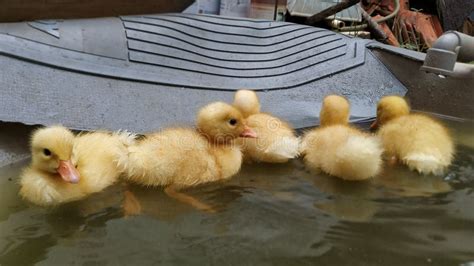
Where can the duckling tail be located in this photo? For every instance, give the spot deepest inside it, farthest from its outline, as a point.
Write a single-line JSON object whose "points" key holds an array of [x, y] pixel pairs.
{"points": [[359, 158], [424, 163]]}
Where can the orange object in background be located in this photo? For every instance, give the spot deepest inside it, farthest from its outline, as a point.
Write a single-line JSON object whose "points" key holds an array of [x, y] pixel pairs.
{"points": [[411, 29], [391, 39], [417, 27]]}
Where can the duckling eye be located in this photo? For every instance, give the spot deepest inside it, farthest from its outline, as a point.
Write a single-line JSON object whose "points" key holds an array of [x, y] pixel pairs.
{"points": [[233, 122], [47, 152]]}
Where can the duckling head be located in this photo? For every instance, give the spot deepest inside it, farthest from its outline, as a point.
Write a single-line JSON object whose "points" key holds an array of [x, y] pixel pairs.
{"points": [[388, 108], [221, 122], [51, 151], [335, 111], [247, 102]]}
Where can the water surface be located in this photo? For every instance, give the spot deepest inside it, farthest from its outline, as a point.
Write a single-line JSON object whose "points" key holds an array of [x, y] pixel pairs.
{"points": [[267, 215]]}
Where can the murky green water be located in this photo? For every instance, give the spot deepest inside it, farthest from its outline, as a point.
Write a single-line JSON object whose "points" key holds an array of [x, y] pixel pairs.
{"points": [[267, 215]]}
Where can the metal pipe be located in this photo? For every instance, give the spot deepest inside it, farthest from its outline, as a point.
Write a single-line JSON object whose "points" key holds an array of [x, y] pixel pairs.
{"points": [[354, 28], [460, 43], [337, 24], [330, 11], [451, 47], [393, 14], [375, 29], [275, 11], [360, 34], [363, 26]]}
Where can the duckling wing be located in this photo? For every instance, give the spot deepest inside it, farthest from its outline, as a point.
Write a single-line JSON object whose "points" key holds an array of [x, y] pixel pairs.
{"points": [[97, 156], [285, 148], [276, 142], [171, 157]]}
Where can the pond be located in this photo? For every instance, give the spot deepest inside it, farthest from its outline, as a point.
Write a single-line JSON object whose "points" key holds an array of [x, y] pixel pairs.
{"points": [[267, 215]]}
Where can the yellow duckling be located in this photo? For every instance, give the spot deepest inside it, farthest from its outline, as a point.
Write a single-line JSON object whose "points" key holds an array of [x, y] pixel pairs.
{"points": [[338, 149], [276, 142], [66, 168], [415, 139], [183, 157]]}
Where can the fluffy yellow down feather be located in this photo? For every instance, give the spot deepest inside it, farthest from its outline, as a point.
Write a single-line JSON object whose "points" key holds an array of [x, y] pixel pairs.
{"points": [[338, 149], [420, 142], [66, 168], [276, 142]]}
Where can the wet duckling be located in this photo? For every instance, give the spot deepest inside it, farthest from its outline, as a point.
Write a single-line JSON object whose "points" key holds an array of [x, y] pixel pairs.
{"points": [[177, 158], [339, 149], [66, 168], [418, 141], [276, 142]]}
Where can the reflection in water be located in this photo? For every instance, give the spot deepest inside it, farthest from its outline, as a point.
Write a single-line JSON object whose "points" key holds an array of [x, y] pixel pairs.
{"points": [[268, 214], [402, 182], [349, 209]]}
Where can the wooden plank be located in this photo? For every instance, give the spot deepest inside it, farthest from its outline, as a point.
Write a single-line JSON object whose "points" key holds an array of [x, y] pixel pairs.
{"points": [[27, 10]]}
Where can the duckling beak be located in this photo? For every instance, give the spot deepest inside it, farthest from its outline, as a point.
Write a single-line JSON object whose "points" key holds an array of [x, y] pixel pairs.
{"points": [[68, 172], [248, 133], [374, 126]]}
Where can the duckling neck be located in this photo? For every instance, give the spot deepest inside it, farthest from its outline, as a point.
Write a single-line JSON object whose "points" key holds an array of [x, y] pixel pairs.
{"points": [[218, 141]]}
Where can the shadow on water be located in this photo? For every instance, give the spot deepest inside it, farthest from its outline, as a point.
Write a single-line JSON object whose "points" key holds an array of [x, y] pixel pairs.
{"points": [[266, 215]]}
